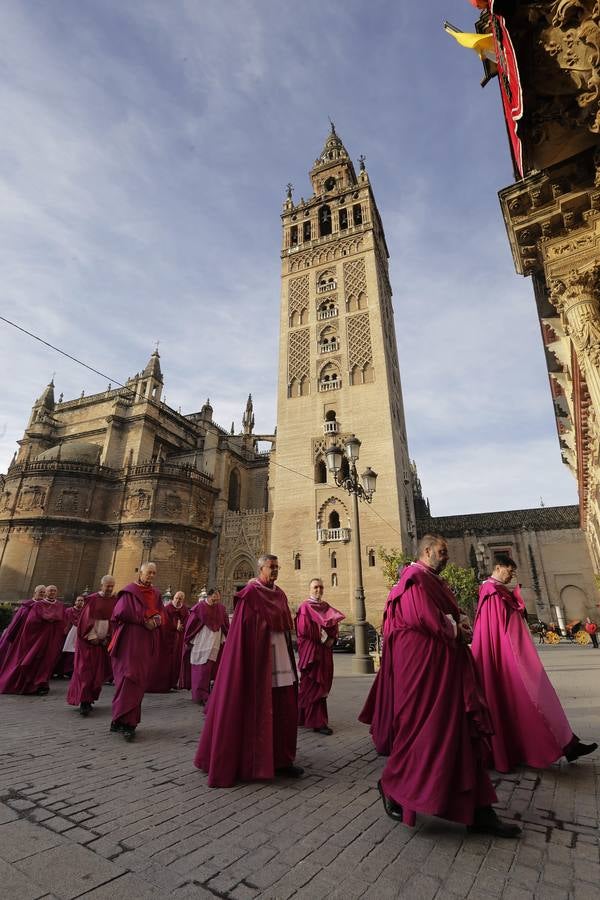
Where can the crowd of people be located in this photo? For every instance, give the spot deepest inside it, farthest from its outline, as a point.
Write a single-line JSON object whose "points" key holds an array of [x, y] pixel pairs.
{"points": [[450, 701]]}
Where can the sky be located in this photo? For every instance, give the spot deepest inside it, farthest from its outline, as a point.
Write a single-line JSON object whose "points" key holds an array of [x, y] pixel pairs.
{"points": [[145, 152]]}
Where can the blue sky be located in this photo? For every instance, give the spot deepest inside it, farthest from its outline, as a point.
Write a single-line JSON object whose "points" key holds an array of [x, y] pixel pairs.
{"points": [[146, 148]]}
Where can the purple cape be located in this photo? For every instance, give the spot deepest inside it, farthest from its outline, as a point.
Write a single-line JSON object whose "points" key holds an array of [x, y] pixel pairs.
{"points": [[34, 644], [530, 726], [239, 740], [211, 615], [91, 665], [436, 766], [133, 649], [378, 711], [315, 660]]}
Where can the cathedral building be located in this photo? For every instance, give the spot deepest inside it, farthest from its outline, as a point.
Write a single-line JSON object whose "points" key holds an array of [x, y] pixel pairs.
{"points": [[338, 376], [103, 483]]}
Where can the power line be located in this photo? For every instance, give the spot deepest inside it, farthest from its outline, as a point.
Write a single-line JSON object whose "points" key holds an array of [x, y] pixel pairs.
{"points": [[120, 384], [64, 353]]}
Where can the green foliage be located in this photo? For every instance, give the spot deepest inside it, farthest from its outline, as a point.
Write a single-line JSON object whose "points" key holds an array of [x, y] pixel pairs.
{"points": [[462, 581], [391, 561], [6, 614], [465, 586]]}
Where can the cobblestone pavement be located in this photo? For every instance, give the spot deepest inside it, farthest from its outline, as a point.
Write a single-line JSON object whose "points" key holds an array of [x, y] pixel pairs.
{"points": [[82, 813]]}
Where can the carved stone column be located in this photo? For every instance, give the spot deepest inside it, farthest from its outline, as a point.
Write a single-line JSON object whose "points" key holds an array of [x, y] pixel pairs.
{"points": [[577, 298]]}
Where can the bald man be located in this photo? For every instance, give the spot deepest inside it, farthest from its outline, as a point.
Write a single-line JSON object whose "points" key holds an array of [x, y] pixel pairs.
{"points": [[92, 664], [137, 618]]}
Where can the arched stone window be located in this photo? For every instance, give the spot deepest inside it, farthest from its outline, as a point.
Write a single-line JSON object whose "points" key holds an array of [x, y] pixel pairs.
{"points": [[334, 519], [233, 496], [320, 472], [334, 560], [334, 579], [297, 562], [324, 221], [371, 557]]}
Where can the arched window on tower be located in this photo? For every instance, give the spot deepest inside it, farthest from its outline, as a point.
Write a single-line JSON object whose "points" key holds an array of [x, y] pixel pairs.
{"points": [[357, 214], [306, 231], [297, 562], [334, 519], [294, 236], [321, 472], [334, 579], [324, 221], [334, 560], [371, 557], [233, 497]]}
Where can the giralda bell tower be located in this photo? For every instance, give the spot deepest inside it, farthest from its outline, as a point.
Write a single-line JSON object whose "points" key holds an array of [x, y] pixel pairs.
{"points": [[338, 376]]}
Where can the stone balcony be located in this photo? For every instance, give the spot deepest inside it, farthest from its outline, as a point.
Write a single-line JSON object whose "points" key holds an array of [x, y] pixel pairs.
{"points": [[326, 535]]}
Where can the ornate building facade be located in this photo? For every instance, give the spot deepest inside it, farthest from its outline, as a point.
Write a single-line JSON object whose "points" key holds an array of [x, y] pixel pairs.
{"points": [[548, 65], [338, 375], [103, 483]]}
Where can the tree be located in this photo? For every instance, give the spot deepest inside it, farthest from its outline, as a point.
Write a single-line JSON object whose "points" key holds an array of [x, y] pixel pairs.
{"points": [[462, 581]]}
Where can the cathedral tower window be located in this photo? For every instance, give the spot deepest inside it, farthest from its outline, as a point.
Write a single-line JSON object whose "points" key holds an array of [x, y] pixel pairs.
{"points": [[324, 221], [306, 231], [321, 472], [334, 579], [371, 557], [233, 497], [357, 216], [343, 214], [297, 562], [334, 560], [334, 519], [294, 236]]}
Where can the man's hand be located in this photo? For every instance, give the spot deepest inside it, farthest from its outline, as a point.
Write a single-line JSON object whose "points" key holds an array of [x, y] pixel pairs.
{"points": [[465, 630]]}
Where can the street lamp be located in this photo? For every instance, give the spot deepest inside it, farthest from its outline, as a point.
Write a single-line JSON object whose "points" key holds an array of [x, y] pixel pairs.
{"points": [[361, 488]]}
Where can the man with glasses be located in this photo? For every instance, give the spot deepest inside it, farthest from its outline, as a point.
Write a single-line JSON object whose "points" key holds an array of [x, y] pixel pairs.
{"points": [[530, 725], [317, 628]]}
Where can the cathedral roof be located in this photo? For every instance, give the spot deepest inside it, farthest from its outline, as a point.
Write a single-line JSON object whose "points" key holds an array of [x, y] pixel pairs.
{"points": [[47, 398], [74, 451], [540, 518]]}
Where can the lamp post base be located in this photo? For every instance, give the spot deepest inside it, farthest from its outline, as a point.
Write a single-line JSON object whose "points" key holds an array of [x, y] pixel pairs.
{"points": [[363, 665]]}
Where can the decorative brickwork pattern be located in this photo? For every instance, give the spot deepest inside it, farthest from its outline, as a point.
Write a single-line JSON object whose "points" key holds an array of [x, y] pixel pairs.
{"points": [[298, 294], [359, 341], [299, 354], [355, 279]]}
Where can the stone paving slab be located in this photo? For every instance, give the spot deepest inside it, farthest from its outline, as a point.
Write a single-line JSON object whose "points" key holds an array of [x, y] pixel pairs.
{"points": [[83, 814]]}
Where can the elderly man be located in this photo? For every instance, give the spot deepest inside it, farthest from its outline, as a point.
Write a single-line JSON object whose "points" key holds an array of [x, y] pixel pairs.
{"points": [[205, 633], [137, 616], [251, 725], [317, 628], [92, 663], [436, 766], [530, 725], [9, 638], [37, 638]]}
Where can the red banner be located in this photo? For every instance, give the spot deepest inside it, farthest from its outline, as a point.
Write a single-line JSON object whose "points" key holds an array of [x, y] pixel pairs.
{"points": [[510, 83]]}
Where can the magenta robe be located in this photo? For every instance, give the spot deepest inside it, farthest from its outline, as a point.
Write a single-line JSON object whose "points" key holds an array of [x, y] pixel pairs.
{"points": [[66, 660], [198, 678], [530, 726], [251, 727], [173, 616], [436, 766], [133, 649], [92, 664], [378, 711], [33, 644], [315, 660]]}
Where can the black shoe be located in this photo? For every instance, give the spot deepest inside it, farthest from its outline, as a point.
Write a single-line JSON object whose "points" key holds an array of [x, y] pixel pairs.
{"points": [[116, 726], [487, 822], [580, 749], [43, 690], [393, 809], [128, 732], [85, 709], [324, 730], [290, 771]]}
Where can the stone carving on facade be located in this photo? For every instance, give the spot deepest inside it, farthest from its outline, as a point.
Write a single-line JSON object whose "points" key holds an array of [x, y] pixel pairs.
{"points": [[355, 279], [31, 498], [565, 66], [68, 502], [359, 341], [298, 298], [322, 256], [299, 356], [5, 501], [138, 501], [172, 505]]}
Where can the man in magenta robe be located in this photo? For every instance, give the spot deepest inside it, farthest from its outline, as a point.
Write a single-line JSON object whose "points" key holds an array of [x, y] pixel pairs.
{"points": [[38, 635], [530, 726], [378, 711], [251, 725], [317, 628], [436, 766], [137, 618], [205, 634], [176, 616], [91, 665], [64, 668], [9, 638]]}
